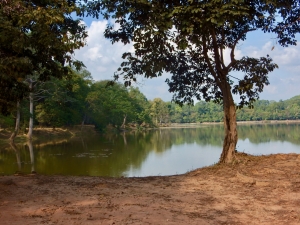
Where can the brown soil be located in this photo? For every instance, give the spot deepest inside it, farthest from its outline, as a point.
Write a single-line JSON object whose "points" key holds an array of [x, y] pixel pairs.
{"points": [[44, 134], [253, 190]]}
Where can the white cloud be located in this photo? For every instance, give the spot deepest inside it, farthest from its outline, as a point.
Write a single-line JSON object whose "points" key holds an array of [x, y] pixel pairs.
{"points": [[237, 54], [281, 56], [101, 57], [287, 56], [285, 81], [271, 89]]}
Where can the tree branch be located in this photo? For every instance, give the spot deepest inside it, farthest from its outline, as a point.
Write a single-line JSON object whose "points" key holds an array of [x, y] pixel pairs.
{"points": [[205, 52], [222, 47], [216, 51], [233, 60]]}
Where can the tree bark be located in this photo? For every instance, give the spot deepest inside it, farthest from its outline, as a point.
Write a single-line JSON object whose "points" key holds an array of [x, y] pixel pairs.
{"points": [[124, 122], [17, 127], [30, 128], [230, 126], [83, 121]]}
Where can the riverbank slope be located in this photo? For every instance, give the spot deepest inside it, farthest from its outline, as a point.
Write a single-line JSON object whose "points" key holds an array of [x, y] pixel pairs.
{"points": [[253, 190]]}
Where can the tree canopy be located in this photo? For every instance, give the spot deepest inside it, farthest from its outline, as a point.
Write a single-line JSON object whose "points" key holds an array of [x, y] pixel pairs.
{"points": [[187, 38], [37, 37]]}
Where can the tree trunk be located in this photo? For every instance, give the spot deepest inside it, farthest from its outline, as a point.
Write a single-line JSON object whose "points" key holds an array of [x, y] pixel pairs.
{"points": [[17, 127], [83, 121], [30, 128], [230, 126], [124, 122]]}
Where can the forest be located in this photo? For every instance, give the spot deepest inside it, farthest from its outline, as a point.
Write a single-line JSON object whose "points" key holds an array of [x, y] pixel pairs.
{"points": [[79, 100]]}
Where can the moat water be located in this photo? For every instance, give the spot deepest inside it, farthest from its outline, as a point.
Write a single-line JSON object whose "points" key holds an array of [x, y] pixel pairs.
{"points": [[151, 153]]}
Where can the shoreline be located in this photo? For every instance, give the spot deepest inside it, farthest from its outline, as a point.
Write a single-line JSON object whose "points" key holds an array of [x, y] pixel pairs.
{"points": [[253, 190], [76, 131], [266, 122]]}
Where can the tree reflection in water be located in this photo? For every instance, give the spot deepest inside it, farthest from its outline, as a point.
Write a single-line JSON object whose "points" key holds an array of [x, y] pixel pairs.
{"points": [[30, 146], [17, 151], [116, 154], [21, 155]]}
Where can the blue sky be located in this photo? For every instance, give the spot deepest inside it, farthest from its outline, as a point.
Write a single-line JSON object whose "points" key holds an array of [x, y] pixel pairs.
{"points": [[102, 59]]}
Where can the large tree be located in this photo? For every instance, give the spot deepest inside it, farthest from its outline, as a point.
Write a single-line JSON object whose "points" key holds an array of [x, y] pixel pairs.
{"points": [[109, 105], [188, 38], [158, 111], [141, 106], [63, 101], [36, 37]]}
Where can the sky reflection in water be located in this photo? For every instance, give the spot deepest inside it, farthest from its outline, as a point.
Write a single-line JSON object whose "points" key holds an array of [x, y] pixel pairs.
{"points": [[152, 153]]}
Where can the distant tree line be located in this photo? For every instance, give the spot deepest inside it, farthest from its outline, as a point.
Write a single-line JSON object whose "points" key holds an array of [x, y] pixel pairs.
{"points": [[78, 100], [211, 112]]}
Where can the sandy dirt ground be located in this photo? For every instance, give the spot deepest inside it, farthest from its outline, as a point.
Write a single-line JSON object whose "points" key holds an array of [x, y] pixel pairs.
{"points": [[254, 190]]}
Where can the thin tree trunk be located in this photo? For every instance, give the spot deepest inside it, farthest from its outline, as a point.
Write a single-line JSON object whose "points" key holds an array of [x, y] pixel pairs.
{"points": [[83, 121], [230, 126], [124, 122], [30, 128], [17, 127]]}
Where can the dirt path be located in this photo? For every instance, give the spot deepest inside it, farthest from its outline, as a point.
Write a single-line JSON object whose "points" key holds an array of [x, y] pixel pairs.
{"points": [[256, 190]]}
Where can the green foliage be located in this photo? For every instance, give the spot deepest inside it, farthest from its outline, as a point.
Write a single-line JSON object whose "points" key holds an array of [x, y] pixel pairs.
{"points": [[36, 37], [271, 110], [159, 111], [114, 104], [10, 91], [141, 106], [76, 99], [201, 112], [63, 102], [212, 112], [6, 121]]}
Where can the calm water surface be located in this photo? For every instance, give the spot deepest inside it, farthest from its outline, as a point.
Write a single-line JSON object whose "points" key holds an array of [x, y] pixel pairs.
{"points": [[157, 152]]}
